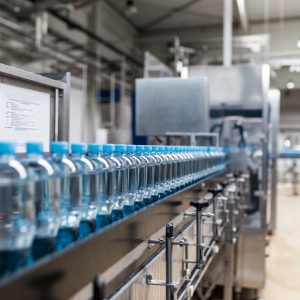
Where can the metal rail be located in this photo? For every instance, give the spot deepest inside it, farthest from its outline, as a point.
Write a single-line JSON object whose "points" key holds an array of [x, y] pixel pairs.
{"points": [[115, 253]]}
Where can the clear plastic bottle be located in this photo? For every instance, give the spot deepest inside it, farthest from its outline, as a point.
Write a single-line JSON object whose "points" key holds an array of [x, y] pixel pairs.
{"points": [[113, 181], [151, 193], [126, 202], [17, 214], [131, 154], [143, 191], [70, 194], [166, 170], [133, 175], [101, 166], [89, 191], [46, 199], [174, 159], [159, 172]]}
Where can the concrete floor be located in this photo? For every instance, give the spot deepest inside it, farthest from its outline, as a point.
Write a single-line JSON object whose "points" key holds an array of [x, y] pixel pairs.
{"points": [[283, 264]]}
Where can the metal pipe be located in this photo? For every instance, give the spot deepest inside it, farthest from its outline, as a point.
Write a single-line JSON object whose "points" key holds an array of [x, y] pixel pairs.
{"points": [[112, 99], [227, 33], [198, 240], [169, 255], [76, 26]]}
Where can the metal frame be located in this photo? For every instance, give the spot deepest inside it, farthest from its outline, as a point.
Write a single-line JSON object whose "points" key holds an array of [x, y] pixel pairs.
{"points": [[126, 248], [274, 100], [58, 86]]}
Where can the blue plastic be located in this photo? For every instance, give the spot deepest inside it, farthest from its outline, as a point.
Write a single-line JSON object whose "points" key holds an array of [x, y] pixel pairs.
{"points": [[34, 148], [95, 148], [7, 148], [79, 148], [130, 148], [108, 148], [120, 148], [140, 148], [59, 148]]}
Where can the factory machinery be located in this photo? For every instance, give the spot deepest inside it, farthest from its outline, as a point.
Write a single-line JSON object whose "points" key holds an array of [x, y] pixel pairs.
{"points": [[206, 240]]}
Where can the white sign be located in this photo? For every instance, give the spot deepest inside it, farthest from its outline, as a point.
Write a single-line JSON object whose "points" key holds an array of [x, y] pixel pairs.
{"points": [[24, 116]]}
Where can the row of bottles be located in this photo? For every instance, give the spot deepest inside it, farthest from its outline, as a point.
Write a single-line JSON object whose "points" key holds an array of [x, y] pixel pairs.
{"points": [[48, 202]]}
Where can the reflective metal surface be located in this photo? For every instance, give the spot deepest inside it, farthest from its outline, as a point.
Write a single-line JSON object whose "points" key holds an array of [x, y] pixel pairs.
{"points": [[235, 87], [274, 100], [166, 105]]}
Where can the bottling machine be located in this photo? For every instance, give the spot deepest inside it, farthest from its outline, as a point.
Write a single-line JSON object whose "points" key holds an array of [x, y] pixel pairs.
{"points": [[207, 239]]}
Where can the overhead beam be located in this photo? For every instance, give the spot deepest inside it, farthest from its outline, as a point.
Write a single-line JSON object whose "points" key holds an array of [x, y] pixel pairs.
{"points": [[243, 16], [169, 14], [39, 6]]}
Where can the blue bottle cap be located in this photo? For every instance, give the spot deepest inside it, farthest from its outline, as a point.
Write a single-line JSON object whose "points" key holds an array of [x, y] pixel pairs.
{"points": [[120, 148], [108, 148], [95, 148], [140, 148], [131, 148], [161, 149], [79, 148], [34, 148], [148, 148], [7, 148], [59, 147], [155, 148]]}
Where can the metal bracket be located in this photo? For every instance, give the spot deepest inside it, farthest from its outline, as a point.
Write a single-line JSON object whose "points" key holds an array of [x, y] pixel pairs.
{"points": [[151, 281], [171, 286], [207, 215]]}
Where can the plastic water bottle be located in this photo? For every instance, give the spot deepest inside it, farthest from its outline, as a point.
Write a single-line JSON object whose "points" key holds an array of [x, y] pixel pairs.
{"points": [[113, 181], [151, 193], [70, 194], [125, 201], [158, 172], [101, 166], [89, 190], [172, 171], [167, 172], [46, 199], [143, 191], [135, 177], [17, 215]]}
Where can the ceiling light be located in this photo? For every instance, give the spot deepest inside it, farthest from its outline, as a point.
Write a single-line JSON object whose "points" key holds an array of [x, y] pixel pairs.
{"points": [[131, 8], [298, 43], [290, 84]]}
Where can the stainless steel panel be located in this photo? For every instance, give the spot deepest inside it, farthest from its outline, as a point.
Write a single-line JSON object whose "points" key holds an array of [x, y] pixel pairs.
{"points": [[250, 272], [238, 86], [166, 105], [274, 100]]}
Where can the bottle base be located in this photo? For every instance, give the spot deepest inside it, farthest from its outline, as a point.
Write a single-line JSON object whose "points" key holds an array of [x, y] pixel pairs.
{"points": [[102, 221], [43, 246], [86, 227], [128, 209], [138, 205], [13, 260], [66, 236]]}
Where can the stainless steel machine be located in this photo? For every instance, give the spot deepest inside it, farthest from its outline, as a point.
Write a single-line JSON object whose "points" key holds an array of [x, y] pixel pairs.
{"points": [[207, 240]]}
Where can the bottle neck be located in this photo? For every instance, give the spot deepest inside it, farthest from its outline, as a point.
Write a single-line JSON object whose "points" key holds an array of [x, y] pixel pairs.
{"points": [[7, 157], [78, 155], [59, 155], [35, 155]]}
